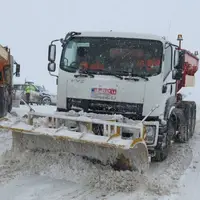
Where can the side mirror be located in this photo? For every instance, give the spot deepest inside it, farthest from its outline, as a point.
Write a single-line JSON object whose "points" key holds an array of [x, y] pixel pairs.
{"points": [[17, 74], [52, 53], [176, 74], [176, 58], [52, 67]]}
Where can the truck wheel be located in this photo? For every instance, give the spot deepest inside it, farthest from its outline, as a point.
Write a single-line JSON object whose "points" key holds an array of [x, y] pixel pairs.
{"points": [[3, 102], [182, 126], [189, 108], [188, 116], [9, 107], [193, 111], [9, 103], [162, 153], [46, 101], [165, 142]]}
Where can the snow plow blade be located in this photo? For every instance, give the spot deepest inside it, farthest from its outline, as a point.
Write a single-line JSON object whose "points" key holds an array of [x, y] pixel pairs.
{"points": [[109, 148]]}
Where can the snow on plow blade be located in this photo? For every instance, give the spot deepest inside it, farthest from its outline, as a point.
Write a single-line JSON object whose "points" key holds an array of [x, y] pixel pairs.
{"points": [[109, 148]]}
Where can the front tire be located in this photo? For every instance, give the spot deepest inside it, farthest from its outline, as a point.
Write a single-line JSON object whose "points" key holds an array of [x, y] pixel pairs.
{"points": [[162, 150], [162, 153]]}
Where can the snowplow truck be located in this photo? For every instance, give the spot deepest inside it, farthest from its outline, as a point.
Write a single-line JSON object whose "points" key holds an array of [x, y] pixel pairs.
{"points": [[6, 79], [118, 100]]}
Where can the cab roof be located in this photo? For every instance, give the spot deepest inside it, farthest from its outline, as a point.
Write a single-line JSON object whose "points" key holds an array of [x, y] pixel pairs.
{"points": [[121, 35]]}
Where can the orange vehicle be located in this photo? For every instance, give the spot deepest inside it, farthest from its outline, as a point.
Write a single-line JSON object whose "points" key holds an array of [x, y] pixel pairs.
{"points": [[6, 79]]}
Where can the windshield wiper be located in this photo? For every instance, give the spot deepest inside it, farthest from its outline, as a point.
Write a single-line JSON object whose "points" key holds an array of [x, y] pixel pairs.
{"points": [[84, 73], [131, 75], [141, 76], [131, 78], [110, 73]]}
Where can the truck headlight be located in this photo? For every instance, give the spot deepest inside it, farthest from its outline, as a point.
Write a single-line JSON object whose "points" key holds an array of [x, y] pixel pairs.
{"points": [[150, 133]]}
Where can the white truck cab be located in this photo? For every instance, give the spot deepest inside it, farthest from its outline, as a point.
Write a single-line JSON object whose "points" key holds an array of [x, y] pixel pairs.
{"points": [[121, 73]]}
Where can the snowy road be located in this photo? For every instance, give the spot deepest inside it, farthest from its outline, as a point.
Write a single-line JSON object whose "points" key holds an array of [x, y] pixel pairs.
{"points": [[190, 181], [38, 187], [35, 176]]}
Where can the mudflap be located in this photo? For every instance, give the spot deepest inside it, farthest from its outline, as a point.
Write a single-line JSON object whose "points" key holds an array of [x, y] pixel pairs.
{"points": [[133, 156]]}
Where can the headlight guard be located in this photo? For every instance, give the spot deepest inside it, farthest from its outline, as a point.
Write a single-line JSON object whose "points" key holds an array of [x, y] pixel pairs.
{"points": [[151, 132]]}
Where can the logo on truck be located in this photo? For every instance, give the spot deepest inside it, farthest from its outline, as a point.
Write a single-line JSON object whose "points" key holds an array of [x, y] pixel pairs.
{"points": [[104, 93]]}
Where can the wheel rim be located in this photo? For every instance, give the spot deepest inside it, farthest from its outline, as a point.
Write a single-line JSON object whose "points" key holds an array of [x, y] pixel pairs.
{"points": [[47, 101]]}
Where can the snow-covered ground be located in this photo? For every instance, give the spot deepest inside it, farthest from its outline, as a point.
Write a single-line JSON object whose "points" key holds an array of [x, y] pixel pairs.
{"points": [[36, 176]]}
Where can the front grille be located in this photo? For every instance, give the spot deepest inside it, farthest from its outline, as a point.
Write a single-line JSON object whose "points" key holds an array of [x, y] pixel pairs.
{"points": [[106, 107]]}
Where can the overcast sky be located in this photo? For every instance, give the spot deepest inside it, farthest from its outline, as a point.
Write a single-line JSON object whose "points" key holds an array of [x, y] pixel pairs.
{"points": [[27, 26]]}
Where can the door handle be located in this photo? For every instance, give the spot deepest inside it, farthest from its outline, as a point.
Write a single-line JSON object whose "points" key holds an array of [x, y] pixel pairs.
{"points": [[164, 88]]}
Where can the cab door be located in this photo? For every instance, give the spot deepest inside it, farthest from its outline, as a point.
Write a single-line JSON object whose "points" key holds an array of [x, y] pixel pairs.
{"points": [[169, 85]]}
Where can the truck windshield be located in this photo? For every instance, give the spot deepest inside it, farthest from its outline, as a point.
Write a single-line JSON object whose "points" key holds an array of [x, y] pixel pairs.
{"points": [[120, 56]]}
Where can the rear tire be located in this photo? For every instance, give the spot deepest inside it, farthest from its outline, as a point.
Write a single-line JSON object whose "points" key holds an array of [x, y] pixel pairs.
{"points": [[3, 102], [182, 126], [10, 105], [189, 109], [193, 110]]}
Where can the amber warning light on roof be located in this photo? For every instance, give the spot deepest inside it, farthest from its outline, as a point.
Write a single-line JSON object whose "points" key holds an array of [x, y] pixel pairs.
{"points": [[180, 37]]}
